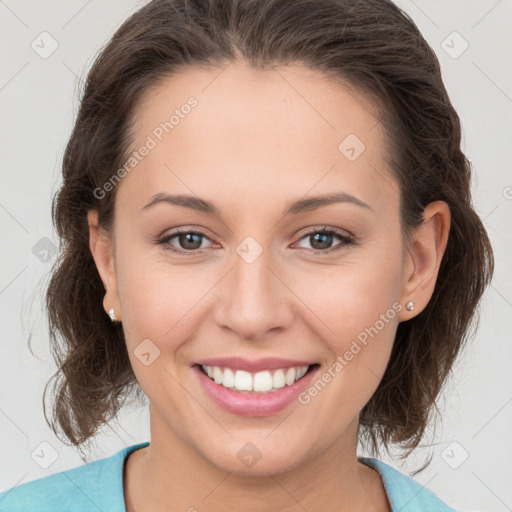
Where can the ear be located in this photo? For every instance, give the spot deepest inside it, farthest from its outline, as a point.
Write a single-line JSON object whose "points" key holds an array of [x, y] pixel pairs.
{"points": [[423, 258], [102, 251]]}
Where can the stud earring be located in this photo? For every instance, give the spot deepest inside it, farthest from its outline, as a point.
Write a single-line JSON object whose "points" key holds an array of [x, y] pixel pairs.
{"points": [[410, 306], [112, 315]]}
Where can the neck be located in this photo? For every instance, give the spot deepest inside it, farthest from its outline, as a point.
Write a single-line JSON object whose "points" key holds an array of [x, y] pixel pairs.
{"points": [[171, 471]]}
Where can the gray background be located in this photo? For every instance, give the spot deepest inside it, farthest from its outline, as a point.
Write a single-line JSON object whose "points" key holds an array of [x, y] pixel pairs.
{"points": [[471, 467]]}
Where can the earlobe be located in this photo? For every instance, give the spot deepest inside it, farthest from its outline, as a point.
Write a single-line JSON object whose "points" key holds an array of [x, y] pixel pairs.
{"points": [[424, 254], [101, 250]]}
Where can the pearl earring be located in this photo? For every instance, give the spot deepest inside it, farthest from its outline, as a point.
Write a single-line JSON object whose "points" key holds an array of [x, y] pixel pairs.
{"points": [[112, 315], [410, 306]]}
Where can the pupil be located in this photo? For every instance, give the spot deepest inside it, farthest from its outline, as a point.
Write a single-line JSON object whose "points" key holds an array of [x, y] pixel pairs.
{"points": [[323, 243], [184, 240]]}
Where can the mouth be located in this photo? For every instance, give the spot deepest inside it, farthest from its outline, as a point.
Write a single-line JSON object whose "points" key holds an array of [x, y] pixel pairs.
{"points": [[256, 383], [257, 393]]}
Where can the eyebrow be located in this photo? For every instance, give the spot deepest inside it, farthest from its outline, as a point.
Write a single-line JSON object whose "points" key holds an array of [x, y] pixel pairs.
{"points": [[300, 206]]}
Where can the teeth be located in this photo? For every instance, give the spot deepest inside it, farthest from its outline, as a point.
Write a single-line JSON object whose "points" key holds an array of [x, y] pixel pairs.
{"points": [[243, 381], [302, 371], [259, 382], [218, 375], [290, 376], [278, 380], [262, 381], [229, 378]]}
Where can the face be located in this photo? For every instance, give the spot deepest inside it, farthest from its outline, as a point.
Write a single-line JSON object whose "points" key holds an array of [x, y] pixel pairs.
{"points": [[321, 285]]}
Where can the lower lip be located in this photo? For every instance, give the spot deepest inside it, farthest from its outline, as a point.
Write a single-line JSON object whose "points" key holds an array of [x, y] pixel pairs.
{"points": [[252, 404]]}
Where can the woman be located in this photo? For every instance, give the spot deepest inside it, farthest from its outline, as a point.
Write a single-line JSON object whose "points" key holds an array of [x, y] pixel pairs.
{"points": [[268, 231]]}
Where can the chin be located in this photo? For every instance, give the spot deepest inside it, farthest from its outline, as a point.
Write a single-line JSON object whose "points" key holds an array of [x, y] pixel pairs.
{"points": [[255, 458]]}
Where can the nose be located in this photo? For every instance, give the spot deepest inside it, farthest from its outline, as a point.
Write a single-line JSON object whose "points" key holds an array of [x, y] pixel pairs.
{"points": [[254, 299]]}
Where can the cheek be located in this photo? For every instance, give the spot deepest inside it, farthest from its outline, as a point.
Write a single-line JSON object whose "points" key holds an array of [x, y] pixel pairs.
{"points": [[357, 318], [160, 312], [162, 302], [155, 300], [354, 306], [351, 296], [161, 299]]}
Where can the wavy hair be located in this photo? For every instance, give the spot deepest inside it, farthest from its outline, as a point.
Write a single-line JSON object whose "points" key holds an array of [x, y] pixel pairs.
{"points": [[373, 47]]}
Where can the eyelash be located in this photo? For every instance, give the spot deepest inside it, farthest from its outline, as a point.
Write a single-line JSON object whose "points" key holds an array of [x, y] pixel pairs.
{"points": [[346, 240]]}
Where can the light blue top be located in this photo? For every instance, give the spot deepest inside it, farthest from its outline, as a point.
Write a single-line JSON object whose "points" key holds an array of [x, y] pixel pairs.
{"points": [[98, 486]]}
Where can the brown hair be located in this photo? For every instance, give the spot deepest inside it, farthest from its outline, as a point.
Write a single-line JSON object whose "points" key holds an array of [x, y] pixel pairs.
{"points": [[371, 45]]}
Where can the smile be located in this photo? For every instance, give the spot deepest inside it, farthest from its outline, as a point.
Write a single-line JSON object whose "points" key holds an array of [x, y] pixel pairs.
{"points": [[260, 382], [254, 393]]}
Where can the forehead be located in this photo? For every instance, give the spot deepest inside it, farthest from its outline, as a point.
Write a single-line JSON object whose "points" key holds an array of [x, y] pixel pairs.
{"points": [[260, 135]]}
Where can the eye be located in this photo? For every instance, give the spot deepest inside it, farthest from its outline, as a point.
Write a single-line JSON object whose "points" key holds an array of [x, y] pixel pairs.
{"points": [[190, 241], [322, 240]]}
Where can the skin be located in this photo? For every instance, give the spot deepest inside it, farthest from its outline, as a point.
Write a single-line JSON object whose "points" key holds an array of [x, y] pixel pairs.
{"points": [[251, 146]]}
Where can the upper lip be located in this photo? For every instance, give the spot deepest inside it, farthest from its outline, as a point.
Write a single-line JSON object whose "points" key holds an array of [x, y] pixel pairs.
{"points": [[239, 363]]}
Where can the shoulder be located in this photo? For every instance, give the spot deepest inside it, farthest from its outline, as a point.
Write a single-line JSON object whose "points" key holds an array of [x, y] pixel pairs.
{"points": [[404, 493], [97, 485]]}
